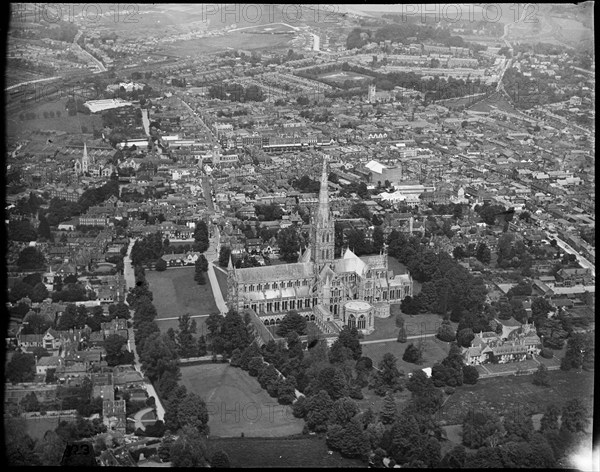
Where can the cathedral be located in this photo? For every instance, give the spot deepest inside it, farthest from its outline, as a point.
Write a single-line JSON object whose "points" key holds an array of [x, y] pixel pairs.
{"points": [[331, 292]]}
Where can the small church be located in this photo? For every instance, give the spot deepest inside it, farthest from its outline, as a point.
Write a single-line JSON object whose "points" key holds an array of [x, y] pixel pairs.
{"points": [[333, 293], [87, 165]]}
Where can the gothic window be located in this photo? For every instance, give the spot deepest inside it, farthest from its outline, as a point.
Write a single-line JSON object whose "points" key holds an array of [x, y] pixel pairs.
{"points": [[352, 321], [299, 303], [312, 317], [292, 304], [289, 284], [362, 322], [259, 287], [252, 288]]}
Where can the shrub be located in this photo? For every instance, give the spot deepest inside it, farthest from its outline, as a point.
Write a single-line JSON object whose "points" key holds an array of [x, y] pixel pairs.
{"points": [[547, 353], [449, 390]]}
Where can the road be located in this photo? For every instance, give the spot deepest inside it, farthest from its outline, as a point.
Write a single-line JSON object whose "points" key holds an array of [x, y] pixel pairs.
{"points": [[378, 341], [199, 120], [583, 262], [130, 283], [83, 51], [31, 82]]}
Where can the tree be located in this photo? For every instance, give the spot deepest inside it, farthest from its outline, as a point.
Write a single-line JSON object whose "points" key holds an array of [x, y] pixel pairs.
{"points": [[481, 428], [541, 376], [30, 258], [186, 344], [464, 337], [575, 417], [50, 449], [402, 338], [289, 244], [201, 237], [580, 352], [224, 255], [549, 421], [446, 333], [518, 424], [483, 253], [19, 447], [292, 322], [19, 291], [189, 449], [412, 354], [389, 411], [192, 412], [21, 368], [455, 458], [114, 349], [343, 410], [318, 408], [161, 265], [119, 310], [387, 376], [470, 374], [220, 460]]}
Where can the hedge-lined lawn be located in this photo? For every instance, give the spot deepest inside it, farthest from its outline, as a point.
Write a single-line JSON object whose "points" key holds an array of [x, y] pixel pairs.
{"points": [[237, 403], [501, 393], [434, 351], [304, 451], [175, 293]]}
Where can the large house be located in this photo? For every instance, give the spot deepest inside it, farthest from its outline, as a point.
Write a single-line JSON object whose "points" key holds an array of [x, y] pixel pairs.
{"points": [[332, 292], [514, 343]]}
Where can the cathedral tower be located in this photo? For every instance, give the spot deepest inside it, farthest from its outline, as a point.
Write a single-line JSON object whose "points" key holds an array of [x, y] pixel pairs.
{"points": [[323, 234]]}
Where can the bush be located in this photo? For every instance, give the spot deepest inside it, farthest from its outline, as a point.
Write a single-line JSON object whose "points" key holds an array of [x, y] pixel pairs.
{"points": [[547, 353], [449, 390]]}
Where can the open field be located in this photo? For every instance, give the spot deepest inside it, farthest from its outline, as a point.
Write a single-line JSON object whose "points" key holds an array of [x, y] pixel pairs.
{"points": [[38, 426], [237, 404], [501, 393], [434, 350], [341, 76], [176, 293], [304, 451], [235, 40], [494, 101], [17, 122]]}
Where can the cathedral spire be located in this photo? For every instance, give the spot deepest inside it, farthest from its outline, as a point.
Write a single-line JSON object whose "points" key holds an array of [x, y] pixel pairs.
{"points": [[323, 214]]}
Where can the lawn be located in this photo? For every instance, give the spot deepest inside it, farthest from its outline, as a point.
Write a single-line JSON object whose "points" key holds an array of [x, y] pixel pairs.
{"points": [[237, 403], [176, 293], [304, 451], [38, 426], [415, 325], [434, 350], [501, 393]]}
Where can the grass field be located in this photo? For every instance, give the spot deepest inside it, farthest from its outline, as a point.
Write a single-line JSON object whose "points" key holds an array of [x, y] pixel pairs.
{"points": [[305, 451], [237, 403], [38, 426], [434, 350], [341, 76], [15, 126], [235, 40], [176, 293], [501, 393]]}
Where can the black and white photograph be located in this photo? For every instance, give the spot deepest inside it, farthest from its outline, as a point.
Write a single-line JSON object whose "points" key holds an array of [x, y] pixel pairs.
{"points": [[247, 235]]}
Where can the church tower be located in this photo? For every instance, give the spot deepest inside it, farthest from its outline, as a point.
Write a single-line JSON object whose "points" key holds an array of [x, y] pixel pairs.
{"points": [[323, 234]]}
